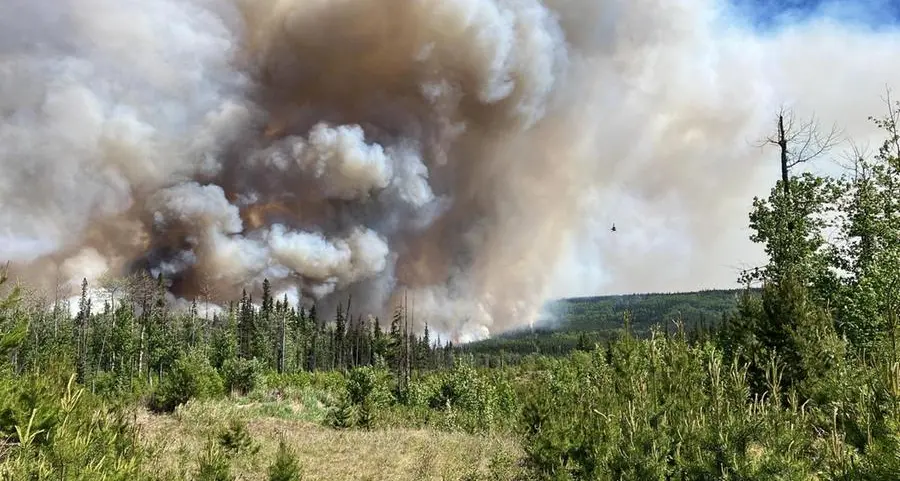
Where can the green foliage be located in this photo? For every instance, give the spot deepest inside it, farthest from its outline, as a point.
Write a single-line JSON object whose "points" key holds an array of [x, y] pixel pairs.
{"points": [[13, 328], [368, 388], [791, 227], [242, 376], [663, 409], [785, 324], [286, 467], [466, 398], [191, 377], [236, 439], [67, 435], [213, 465], [342, 414]]}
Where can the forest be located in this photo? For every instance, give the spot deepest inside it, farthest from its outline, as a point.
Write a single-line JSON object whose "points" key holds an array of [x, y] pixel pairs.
{"points": [[794, 377], [579, 323]]}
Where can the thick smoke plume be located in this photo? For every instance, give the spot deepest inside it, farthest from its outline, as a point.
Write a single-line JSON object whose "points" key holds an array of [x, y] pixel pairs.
{"points": [[450, 151]]}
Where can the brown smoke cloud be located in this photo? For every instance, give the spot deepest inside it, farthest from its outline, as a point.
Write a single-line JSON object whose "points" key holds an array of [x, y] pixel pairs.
{"points": [[468, 152]]}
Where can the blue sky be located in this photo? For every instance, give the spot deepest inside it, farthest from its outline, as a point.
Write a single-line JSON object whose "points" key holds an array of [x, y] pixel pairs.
{"points": [[770, 14]]}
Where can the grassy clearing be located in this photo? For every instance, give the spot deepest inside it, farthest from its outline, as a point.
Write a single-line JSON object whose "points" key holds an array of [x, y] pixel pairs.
{"points": [[178, 441]]}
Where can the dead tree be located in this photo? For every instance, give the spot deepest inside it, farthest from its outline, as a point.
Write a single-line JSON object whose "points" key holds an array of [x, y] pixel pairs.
{"points": [[799, 142]]}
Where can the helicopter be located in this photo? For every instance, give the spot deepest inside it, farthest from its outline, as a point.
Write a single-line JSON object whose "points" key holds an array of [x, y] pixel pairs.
{"points": [[613, 227]]}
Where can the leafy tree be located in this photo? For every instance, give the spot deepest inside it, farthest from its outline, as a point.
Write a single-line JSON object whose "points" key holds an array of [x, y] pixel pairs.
{"points": [[192, 376], [791, 226], [242, 376], [224, 343], [870, 231]]}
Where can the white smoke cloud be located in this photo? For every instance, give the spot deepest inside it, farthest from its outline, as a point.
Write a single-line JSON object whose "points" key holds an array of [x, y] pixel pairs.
{"points": [[190, 203]]}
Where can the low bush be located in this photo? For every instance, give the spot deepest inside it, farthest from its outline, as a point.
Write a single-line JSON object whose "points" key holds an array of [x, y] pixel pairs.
{"points": [[243, 376], [285, 467], [192, 376]]}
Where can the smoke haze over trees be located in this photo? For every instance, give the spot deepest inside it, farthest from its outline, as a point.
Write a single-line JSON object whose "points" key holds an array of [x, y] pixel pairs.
{"points": [[470, 153]]}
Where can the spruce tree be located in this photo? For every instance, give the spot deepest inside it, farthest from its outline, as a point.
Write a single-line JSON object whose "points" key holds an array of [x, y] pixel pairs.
{"points": [[313, 323], [339, 328], [245, 326], [286, 467], [80, 334]]}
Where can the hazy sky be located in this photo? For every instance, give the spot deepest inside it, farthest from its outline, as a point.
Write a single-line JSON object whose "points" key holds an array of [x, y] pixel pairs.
{"points": [[831, 59]]}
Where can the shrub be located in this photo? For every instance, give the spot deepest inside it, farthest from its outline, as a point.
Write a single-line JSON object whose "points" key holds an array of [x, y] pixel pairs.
{"points": [[343, 414], [192, 376], [242, 376], [367, 390], [470, 399], [236, 438], [286, 467], [69, 435], [213, 465]]}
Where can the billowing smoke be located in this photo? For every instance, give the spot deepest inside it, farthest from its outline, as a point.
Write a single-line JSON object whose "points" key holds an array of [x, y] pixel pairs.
{"points": [[460, 153]]}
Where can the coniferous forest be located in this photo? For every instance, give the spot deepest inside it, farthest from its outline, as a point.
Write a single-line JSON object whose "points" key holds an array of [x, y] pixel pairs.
{"points": [[795, 377]]}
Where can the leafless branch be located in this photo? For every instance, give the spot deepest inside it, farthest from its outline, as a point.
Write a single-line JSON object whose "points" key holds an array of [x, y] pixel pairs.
{"points": [[804, 140], [893, 116], [854, 160]]}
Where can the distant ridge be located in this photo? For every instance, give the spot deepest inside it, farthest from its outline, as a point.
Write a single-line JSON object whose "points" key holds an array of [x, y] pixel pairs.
{"points": [[568, 322]]}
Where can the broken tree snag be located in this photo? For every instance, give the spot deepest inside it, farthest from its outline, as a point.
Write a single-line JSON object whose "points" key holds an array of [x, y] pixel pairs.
{"points": [[782, 144], [799, 142]]}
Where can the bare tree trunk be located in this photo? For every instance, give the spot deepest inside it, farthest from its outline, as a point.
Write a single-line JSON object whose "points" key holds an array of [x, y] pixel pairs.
{"points": [[782, 144], [140, 368]]}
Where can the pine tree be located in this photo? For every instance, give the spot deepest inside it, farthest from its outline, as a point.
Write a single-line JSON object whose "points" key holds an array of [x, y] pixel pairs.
{"points": [[245, 326], [224, 339], [80, 334], [339, 337], [286, 467], [424, 361], [377, 342], [583, 343], [281, 312], [162, 337], [265, 338], [313, 323], [300, 339]]}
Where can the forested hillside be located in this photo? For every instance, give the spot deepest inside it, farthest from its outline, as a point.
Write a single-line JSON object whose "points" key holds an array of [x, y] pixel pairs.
{"points": [[579, 323], [606, 313]]}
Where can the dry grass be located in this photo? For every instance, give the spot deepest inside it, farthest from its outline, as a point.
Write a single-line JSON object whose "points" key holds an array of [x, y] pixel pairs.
{"points": [[326, 454]]}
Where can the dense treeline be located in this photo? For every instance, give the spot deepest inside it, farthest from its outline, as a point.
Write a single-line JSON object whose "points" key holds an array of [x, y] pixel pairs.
{"points": [[801, 380], [136, 334]]}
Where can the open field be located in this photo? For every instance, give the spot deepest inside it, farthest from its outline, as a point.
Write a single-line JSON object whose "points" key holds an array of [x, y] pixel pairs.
{"points": [[178, 442]]}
